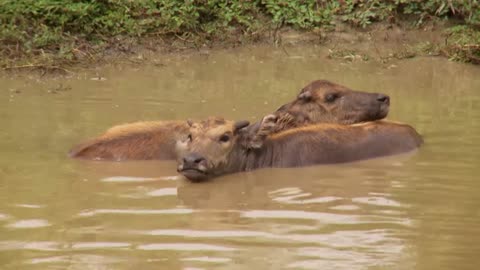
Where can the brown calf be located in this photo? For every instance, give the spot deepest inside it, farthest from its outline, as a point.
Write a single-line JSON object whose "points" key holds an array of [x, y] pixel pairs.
{"points": [[319, 102], [222, 148]]}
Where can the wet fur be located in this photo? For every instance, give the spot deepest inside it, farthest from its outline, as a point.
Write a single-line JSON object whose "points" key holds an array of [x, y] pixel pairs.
{"points": [[310, 145], [135, 141], [330, 143], [156, 140], [310, 107]]}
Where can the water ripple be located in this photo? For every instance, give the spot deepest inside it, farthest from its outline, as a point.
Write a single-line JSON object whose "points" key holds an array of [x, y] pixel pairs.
{"points": [[380, 201], [34, 206], [52, 259], [176, 211], [386, 255], [324, 217], [127, 179], [28, 224], [131, 179], [294, 195], [208, 259], [4, 216], [99, 245], [20, 245], [184, 247], [345, 207], [83, 259], [163, 192], [359, 238], [293, 199]]}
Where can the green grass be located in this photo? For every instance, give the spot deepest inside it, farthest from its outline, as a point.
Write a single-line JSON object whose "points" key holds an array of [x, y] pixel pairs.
{"points": [[462, 44], [64, 31]]}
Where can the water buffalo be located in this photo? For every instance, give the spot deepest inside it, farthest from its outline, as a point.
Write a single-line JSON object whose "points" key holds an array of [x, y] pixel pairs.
{"points": [[214, 148], [323, 101], [319, 102]]}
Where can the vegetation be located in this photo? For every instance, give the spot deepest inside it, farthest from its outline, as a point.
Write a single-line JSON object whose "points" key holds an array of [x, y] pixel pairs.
{"points": [[463, 44], [59, 31]]}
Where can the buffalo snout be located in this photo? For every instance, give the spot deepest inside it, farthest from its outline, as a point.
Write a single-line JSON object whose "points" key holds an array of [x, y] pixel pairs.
{"points": [[193, 160], [383, 99], [193, 166]]}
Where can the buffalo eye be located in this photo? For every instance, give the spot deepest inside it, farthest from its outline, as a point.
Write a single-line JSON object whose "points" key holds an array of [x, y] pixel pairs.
{"points": [[305, 96], [331, 97], [224, 138]]}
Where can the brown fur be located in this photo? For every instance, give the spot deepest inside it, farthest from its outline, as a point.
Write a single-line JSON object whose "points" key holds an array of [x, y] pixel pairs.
{"points": [[303, 146], [331, 143], [156, 140], [138, 141], [349, 106], [313, 106], [135, 141]]}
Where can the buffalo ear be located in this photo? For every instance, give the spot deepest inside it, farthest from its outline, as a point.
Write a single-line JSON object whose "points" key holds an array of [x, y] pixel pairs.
{"points": [[305, 96], [239, 125]]}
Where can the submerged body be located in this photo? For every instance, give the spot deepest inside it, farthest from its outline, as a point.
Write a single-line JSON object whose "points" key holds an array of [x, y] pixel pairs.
{"points": [[330, 143], [319, 102], [209, 154]]}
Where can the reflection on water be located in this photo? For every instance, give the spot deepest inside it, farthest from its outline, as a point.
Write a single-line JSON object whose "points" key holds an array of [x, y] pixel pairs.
{"points": [[415, 211], [29, 223], [134, 212]]}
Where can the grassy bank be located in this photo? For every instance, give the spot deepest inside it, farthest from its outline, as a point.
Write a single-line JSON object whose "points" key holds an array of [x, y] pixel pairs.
{"points": [[59, 32]]}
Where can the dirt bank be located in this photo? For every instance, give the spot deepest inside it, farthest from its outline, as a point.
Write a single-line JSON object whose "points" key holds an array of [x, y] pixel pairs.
{"points": [[382, 42]]}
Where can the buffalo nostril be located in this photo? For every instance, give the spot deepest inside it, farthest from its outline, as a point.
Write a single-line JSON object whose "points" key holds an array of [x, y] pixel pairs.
{"points": [[383, 98], [193, 159], [199, 160]]}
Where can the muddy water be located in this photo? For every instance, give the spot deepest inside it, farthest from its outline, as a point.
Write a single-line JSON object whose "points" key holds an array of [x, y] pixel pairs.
{"points": [[416, 211]]}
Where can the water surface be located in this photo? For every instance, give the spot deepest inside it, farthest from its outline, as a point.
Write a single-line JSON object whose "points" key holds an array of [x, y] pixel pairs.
{"points": [[414, 211]]}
